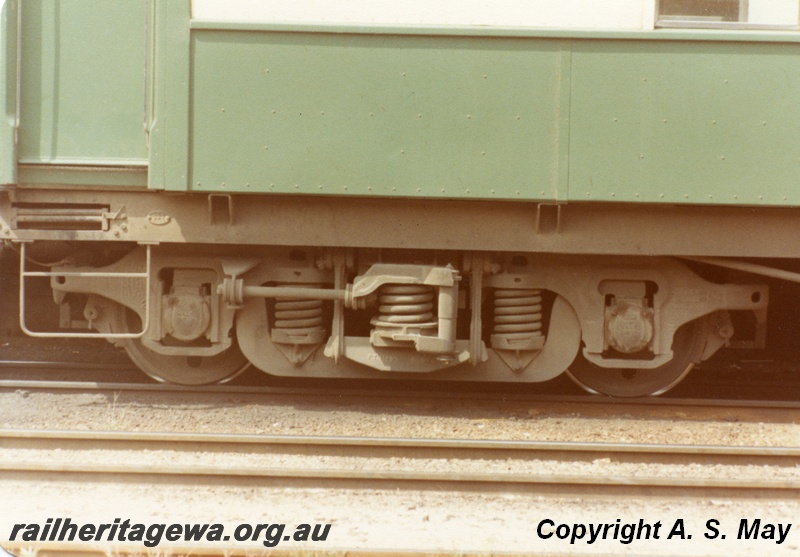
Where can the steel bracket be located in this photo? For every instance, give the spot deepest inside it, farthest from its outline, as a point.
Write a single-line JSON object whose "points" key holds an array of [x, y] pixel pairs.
{"points": [[25, 274]]}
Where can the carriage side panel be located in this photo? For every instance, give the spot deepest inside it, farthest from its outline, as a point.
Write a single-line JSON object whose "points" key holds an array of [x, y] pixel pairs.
{"points": [[685, 122], [382, 115]]}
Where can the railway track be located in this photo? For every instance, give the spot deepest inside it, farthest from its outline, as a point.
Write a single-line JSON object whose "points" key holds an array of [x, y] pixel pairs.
{"points": [[713, 387], [492, 464], [610, 471], [581, 399]]}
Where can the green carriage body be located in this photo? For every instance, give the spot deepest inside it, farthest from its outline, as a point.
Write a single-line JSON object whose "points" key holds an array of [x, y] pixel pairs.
{"points": [[201, 172], [142, 92]]}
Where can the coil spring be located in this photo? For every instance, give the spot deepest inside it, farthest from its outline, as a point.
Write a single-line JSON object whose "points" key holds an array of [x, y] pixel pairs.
{"points": [[405, 304], [518, 313], [298, 317]]}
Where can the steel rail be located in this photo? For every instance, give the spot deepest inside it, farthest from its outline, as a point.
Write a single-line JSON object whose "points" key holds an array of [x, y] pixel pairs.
{"points": [[54, 364], [662, 401], [385, 448]]}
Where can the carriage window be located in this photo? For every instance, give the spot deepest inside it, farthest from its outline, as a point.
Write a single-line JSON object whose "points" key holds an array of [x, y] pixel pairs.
{"points": [[702, 10], [728, 14]]}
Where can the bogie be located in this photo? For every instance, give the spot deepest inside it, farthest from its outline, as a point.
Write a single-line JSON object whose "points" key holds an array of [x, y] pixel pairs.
{"points": [[312, 312]]}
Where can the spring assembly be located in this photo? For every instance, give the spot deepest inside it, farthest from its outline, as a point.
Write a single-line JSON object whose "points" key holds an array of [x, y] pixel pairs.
{"points": [[299, 321], [518, 313], [405, 306]]}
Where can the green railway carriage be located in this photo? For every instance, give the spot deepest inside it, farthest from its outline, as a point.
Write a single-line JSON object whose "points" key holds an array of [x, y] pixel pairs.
{"points": [[434, 190]]}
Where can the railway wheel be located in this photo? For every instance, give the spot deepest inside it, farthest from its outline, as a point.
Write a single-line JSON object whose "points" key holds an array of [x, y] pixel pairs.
{"points": [[182, 370], [687, 347]]}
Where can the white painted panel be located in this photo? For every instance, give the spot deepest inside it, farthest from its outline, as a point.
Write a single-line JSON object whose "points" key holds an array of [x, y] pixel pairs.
{"points": [[569, 14], [773, 12]]}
